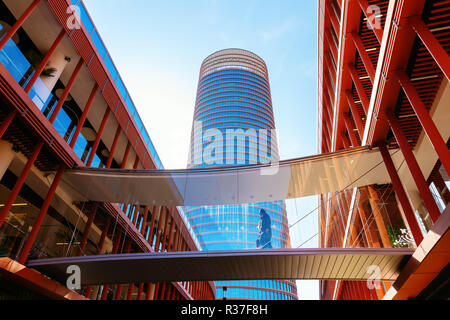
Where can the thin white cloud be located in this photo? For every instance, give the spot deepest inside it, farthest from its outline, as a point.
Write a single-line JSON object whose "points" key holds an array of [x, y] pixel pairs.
{"points": [[279, 31]]}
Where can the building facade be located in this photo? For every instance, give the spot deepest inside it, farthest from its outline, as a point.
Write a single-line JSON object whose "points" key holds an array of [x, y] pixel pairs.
{"points": [[64, 105], [383, 81], [234, 125]]}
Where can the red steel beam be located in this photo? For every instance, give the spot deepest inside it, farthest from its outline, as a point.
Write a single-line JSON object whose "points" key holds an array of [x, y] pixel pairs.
{"points": [[120, 286], [5, 124], [40, 218], [140, 291], [125, 156], [359, 87], [113, 147], [84, 116], [8, 36], [350, 130], [434, 47], [333, 18], [44, 61], [20, 181], [378, 31], [87, 229], [100, 248], [425, 119], [355, 114], [401, 194], [98, 138], [144, 220], [66, 91], [364, 56], [414, 168]]}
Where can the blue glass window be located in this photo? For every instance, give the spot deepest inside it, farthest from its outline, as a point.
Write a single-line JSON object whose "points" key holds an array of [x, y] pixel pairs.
{"points": [[139, 123], [130, 106], [85, 19], [146, 137], [14, 61], [112, 70], [62, 123], [121, 87], [80, 146], [99, 44]]}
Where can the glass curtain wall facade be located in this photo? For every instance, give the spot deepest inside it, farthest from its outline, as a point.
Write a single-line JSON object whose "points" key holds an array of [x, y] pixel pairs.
{"points": [[64, 105], [234, 125]]}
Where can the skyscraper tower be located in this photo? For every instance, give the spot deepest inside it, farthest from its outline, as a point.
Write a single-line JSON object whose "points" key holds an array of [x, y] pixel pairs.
{"points": [[233, 125]]}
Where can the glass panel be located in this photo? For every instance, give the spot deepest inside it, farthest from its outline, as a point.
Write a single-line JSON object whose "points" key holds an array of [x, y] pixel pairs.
{"points": [[99, 44], [80, 146], [97, 163], [86, 21], [14, 61], [112, 70], [130, 106], [15, 229], [62, 123], [40, 94], [139, 123], [121, 87], [146, 137]]}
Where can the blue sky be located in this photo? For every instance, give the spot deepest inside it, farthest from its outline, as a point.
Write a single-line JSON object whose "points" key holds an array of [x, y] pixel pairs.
{"points": [[159, 45]]}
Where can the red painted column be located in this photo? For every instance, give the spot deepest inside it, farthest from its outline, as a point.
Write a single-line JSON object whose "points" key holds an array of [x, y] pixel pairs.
{"points": [[434, 47], [40, 218], [333, 18], [136, 214], [8, 36], [176, 241], [66, 91], [401, 194], [359, 88], [141, 289], [158, 231], [125, 156], [171, 232], [87, 229], [345, 141], [174, 293], [350, 130], [99, 136], [364, 56], [20, 181], [120, 286], [113, 147], [378, 32], [144, 220], [115, 249], [152, 224], [149, 291], [355, 114], [130, 291], [165, 230], [168, 291], [5, 124], [156, 293], [425, 119], [44, 61], [163, 291], [417, 174], [83, 116], [101, 243]]}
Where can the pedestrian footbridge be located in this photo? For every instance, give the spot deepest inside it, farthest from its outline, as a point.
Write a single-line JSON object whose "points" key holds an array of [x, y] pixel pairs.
{"points": [[288, 179], [277, 264]]}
